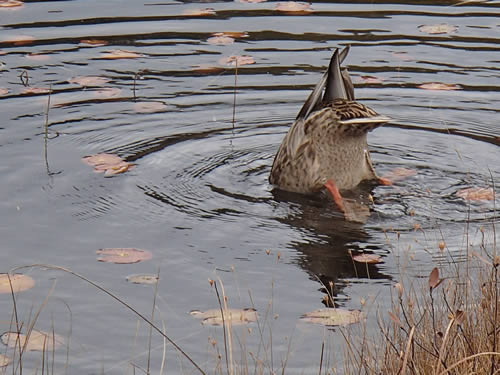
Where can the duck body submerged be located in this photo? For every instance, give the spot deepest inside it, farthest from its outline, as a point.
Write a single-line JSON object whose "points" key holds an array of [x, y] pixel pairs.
{"points": [[326, 147]]}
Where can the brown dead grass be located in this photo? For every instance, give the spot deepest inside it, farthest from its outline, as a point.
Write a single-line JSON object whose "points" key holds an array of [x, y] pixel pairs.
{"points": [[450, 325]]}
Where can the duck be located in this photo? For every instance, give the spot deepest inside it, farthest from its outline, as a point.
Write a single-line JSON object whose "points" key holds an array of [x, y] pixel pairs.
{"points": [[326, 147]]}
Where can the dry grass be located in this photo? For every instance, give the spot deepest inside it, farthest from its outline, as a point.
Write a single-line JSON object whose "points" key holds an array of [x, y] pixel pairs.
{"points": [[450, 325]]}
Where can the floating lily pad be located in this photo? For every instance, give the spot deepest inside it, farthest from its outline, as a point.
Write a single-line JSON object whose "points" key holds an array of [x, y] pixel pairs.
{"points": [[20, 40], [89, 80], [207, 69], [439, 86], [108, 163], [107, 92], [93, 42], [143, 279], [293, 7], [235, 316], [442, 28], [240, 60], [3, 91], [149, 107], [120, 54], [232, 34], [476, 194], [333, 316], [4, 361], [123, 255], [19, 282], [199, 12], [37, 57], [35, 90], [367, 258], [220, 40], [37, 341], [11, 3]]}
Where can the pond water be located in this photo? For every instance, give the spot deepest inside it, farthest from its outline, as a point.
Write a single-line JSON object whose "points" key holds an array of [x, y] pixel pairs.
{"points": [[198, 197]]}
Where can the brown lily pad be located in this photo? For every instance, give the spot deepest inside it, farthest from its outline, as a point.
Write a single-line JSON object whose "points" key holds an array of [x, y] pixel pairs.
{"points": [[107, 92], [220, 40], [37, 57], [94, 42], [89, 81], [35, 90], [237, 60], [36, 340], [234, 316], [19, 282], [20, 40], [232, 34], [3, 91], [207, 69], [476, 194], [149, 107], [333, 316], [120, 54], [442, 28], [367, 258], [199, 12], [439, 86], [371, 79], [123, 255], [11, 3], [4, 361], [110, 164], [293, 7]]}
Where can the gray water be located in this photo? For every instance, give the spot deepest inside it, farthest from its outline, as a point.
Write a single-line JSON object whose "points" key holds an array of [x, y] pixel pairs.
{"points": [[199, 198]]}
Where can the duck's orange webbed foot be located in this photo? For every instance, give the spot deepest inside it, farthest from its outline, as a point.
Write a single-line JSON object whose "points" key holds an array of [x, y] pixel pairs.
{"points": [[334, 191]]}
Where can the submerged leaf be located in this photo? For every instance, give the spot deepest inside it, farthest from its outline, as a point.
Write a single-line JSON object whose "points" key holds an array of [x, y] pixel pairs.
{"points": [[19, 282], [3, 91], [123, 255], [476, 194], [333, 316], [37, 340], [107, 92], [234, 316], [442, 28], [143, 279], [37, 57]]}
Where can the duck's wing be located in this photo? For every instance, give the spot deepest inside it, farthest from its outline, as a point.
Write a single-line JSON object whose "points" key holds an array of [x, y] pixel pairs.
{"points": [[334, 84]]}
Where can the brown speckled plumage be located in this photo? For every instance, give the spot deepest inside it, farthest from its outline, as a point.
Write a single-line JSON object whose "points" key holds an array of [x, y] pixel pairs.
{"points": [[328, 139]]}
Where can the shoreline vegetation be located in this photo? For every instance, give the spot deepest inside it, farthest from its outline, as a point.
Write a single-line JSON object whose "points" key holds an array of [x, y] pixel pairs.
{"points": [[445, 323]]}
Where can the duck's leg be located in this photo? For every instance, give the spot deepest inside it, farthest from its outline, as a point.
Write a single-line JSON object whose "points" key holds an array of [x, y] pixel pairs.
{"points": [[380, 180], [334, 191]]}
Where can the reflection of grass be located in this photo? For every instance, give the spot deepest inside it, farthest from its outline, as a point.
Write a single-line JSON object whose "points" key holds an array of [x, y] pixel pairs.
{"points": [[449, 326]]}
